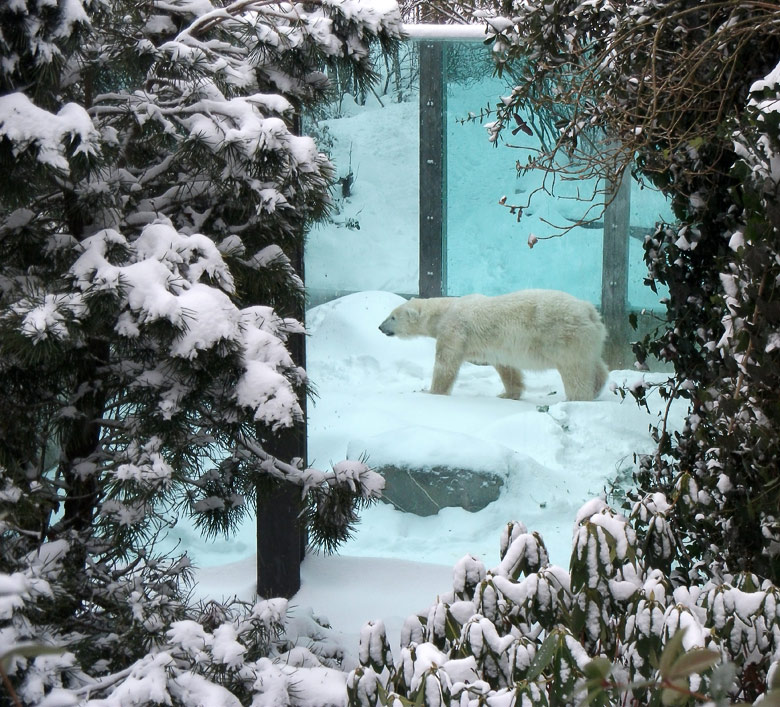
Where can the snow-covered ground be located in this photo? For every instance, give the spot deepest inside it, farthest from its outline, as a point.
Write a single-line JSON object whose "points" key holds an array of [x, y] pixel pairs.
{"points": [[555, 455]]}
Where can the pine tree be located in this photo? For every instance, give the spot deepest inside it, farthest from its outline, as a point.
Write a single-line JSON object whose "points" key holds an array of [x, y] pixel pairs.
{"points": [[152, 190]]}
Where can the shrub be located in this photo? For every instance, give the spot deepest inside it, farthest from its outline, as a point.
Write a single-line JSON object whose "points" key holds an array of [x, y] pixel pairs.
{"points": [[683, 95], [612, 630]]}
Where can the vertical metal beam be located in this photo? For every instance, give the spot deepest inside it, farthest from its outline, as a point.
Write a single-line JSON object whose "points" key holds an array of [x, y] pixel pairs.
{"points": [[433, 170], [614, 276]]}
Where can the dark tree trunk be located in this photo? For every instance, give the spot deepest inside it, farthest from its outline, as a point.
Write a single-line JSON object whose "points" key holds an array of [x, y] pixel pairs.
{"points": [[281, 536], [81, 439], [80, 442]]}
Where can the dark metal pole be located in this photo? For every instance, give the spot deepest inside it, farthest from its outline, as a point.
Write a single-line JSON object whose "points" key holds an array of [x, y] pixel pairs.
{"points": [[433, 170], [614, 276]]}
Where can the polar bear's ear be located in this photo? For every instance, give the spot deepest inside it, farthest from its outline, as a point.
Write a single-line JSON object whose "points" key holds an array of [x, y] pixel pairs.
{"points": [[412, 313]]}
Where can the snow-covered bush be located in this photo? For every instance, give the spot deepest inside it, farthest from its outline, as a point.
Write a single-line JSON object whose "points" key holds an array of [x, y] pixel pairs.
{"points": [[216, 656], [683, 95], [154, 196], [612, 630]]}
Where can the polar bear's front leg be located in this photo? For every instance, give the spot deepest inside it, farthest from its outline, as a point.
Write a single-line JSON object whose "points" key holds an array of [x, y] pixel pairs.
{"points": [[512, 378], [449, 357]]}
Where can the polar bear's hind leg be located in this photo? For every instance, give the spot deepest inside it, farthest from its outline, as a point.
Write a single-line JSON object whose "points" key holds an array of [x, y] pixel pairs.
{"points": [[579, 380], [602, 373]]}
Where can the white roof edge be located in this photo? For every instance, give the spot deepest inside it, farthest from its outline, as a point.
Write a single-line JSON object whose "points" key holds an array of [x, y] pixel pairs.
{"points": [[445, 31]]}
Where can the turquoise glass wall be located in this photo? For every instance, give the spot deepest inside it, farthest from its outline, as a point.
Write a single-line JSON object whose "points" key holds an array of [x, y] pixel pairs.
{"points": [[487, 245], [371, 241]]}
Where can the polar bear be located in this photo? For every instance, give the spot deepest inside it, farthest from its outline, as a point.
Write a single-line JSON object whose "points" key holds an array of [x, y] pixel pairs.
{"points": [[530, 329]]}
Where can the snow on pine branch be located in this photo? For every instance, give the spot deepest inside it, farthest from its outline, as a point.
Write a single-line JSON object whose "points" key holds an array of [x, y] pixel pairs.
{"points": [[336, 29], [353, 475], [290, 25], [26, 126], [243, 133], [33, 32], [238, 130], [159, 280]]}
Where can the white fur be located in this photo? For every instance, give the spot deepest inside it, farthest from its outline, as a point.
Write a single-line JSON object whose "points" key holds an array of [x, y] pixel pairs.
{"points": [[530, 329]]}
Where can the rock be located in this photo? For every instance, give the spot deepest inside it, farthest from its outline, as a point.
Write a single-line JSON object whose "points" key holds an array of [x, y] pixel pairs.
{"points": [[425, 491], [426, 469]]}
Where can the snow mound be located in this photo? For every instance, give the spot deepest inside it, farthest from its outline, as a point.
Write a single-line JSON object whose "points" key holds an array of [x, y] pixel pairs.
{"points": [[345, 342], [427, 447]]}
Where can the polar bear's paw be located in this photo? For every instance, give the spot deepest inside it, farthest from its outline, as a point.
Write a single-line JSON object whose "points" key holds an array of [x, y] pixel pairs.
{"points": [[511, 396]]}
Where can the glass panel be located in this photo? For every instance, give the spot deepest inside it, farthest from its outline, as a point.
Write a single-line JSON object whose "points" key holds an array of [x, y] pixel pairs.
{"points": [[369, 403], [487, 246], [370, 242], [648, 207]]}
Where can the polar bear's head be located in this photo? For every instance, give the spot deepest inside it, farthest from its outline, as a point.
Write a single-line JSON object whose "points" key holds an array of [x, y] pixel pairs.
{"points": [[404, 321]]}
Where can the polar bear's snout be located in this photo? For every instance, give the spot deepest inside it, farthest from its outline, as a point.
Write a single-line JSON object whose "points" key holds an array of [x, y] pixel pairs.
{"points": [[387, 327]]}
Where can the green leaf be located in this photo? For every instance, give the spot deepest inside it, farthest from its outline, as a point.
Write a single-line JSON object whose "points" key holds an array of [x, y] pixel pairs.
{"points": [[451, 627], [598, 669], [670, 654], [721, 680], [696, 661], [543, 657], [420, 696], [675, 697], [578, 617], [595, 691]]}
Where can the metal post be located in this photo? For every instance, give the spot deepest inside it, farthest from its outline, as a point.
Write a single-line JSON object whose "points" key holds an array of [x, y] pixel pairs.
{"points": [[614, 277], [433, 170]]}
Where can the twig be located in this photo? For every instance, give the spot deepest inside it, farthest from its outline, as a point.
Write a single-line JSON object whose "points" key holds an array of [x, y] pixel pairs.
{"points": [[748, 351], [7, 682]]}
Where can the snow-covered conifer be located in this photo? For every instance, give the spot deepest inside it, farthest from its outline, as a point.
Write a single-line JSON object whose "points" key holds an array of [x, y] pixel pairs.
{"points": [[152, 192]]}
